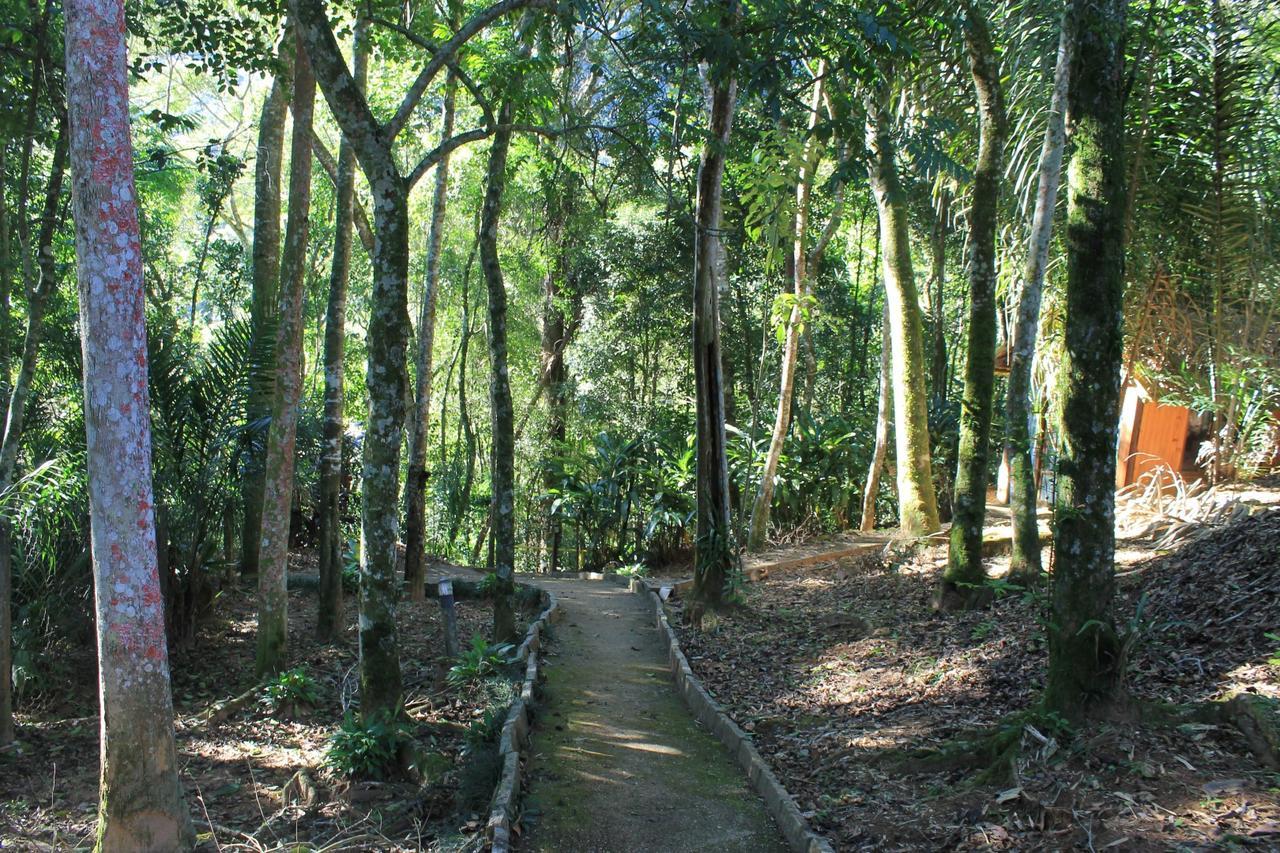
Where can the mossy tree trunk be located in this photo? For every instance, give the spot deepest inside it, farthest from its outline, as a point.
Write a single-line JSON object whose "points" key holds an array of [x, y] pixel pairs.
{"points": [[329, 614], [762, 509], [415, 487], [964, 572], [267, 183], [714, 557], [1024, 559], [141, 804], [1086, 663], [277, 503], [917, 501]]}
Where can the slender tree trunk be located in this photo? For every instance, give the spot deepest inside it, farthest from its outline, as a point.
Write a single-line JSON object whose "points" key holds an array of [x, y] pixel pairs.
{"points": [[964, 574], [415, 487], [714, 558], [763, 506], [268, 169], [273, 571], [1024, 560], [938, 255], [329, 614], [502, 473], [555, 334], [884, 411], [1086, 659], [38, 292], [917, 502], [141, 803]]}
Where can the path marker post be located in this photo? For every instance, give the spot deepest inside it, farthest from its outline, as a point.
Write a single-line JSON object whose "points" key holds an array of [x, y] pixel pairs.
{"points": [[450, 618]]}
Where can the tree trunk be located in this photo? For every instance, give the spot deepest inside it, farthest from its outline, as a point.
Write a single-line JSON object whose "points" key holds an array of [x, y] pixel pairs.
{"points": [[962, 580], [38, 292], [141, 803], [1024, 560], [415, 487], [763, 507], [555, 334], [884, 410], [268, 170], [714, 558], [938, 256], [502, 472], [329, 613], [1086, 657], [917, 502], [277, 505]]}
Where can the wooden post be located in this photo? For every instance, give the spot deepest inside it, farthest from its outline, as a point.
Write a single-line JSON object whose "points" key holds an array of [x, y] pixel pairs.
{"points": [[450, 618]]}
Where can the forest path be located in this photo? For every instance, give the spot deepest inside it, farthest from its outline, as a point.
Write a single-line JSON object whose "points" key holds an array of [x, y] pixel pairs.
{"points": [[618, 763]]}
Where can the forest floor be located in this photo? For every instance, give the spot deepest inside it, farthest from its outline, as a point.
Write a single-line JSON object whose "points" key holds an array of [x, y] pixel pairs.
{"points": [[618, 763], [840, 669], [238, 772]]}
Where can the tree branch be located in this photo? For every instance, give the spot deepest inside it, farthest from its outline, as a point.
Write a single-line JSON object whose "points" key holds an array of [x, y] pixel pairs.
{"points": [[358, 215]]}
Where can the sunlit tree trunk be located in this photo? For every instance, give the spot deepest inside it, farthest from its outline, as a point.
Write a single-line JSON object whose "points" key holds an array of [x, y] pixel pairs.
{"points": [[938, 336], [964, 571], [714, 556], [556, 330], [38, 292], [1086, 662], [277, 505], [415, 487], [268, 171], [884, 411], [1024, 560], [763, 506], [141, 804], [917, 502]]}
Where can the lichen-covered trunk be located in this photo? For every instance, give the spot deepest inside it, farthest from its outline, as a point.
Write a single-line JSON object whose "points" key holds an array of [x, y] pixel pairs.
{"points": [[415, 487], [502, 472], [917, 502], [386, 379], [1086, 664], [763, 507], [964, 573], [714, 557], [141, 804], [385, 375], [38, 292], [329, 613], [268, 169], [884, 411], [277, 504], [1024, 559]]}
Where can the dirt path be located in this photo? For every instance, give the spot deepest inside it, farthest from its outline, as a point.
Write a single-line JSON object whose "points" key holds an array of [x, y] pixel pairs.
{"points": [[618, 764]]}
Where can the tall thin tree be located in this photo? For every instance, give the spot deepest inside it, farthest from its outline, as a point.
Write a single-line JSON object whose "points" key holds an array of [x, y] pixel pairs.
{"points": [[277, 504], [1024, 558], [141, 803], [917, 500], [714, 556], [964, 575], [1086, 653], [329, 614]]}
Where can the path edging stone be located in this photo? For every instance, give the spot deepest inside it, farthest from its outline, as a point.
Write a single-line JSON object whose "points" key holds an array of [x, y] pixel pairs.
{"points": [[513, 744], [782, 808]]}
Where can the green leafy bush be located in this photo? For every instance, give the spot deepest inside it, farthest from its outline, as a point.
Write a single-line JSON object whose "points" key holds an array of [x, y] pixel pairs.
{"points": [[479, 661], [366, 748], [290, 689]]}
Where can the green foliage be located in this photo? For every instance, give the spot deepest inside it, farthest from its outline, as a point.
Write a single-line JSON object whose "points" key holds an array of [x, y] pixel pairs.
{"points": [[480, 660], [367, 747], [291, 688]]}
